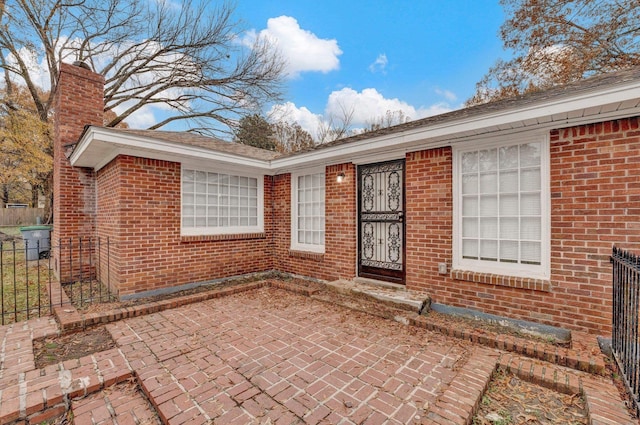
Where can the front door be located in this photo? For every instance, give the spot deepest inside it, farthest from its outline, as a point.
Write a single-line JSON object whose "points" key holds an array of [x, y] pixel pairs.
{"points": [[381, 221]]}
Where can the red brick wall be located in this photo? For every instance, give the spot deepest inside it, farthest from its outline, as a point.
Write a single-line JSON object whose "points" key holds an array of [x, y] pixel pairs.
{"points": [[595, 194], [428, 218], [142, 216], [595, 190], [139, 211], [109, 224], [341, 221], [338, 260], [78, 102]]}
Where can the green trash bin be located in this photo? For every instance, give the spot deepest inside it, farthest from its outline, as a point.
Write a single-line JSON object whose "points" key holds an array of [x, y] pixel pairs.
{"points": [[37, 241]]}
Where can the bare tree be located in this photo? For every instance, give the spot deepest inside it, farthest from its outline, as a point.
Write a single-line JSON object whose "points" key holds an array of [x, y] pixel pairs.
{"points": [[335, 126], [188, 59], [291, 137], [389, 119], [560, 41]]}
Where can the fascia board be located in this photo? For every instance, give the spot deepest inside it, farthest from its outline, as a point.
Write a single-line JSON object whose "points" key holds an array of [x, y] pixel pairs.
{"points": [[134, 145], [472, 125], [200, 163]]}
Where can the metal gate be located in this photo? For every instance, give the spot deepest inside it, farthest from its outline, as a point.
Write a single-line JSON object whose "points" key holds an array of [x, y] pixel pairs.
{"points": [[381, 221], [626, 323]]}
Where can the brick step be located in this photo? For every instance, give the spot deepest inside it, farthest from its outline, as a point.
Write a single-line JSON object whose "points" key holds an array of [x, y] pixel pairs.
{"points": [[588, 358], [123, 402], [41, 394], [459, 403], [600, 394], [584, 354]]}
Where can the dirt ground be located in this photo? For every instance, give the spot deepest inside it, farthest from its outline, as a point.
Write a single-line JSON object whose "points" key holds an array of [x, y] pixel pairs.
{"points": [[57, 349], [509, 400]]}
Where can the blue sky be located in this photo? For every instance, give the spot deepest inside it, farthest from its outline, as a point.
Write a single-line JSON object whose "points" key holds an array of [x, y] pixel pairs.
{"points": [[422, 56]]}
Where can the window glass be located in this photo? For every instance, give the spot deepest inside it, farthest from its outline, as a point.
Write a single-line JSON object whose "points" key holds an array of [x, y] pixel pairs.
{"points": [[308, 206], [218, 203], [500, 215]]}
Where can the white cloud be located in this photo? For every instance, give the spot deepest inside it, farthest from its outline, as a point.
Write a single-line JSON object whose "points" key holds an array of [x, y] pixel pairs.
{"points": [[435, 109], [369, 105], [290, 113], [142, 118], [447, 94], [37, 68], [366, 107], [302, 50], [380, 64], [543, 64]]}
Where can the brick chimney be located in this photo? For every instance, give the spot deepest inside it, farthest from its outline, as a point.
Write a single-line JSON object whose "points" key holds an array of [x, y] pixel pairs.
{"points": [[79, 101]]}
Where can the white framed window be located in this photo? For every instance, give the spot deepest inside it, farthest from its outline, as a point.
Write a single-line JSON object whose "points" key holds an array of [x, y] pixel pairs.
{"points": [[307, 212], [216, 203], [501, 207]]}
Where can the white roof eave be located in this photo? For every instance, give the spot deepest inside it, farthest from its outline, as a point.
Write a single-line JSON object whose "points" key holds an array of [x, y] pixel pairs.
{"points": [[538, 115], [98, 146]]}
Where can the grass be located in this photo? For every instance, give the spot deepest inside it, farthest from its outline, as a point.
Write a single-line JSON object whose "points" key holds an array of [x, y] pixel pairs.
{"points": [[11, 231], [24, 283]]}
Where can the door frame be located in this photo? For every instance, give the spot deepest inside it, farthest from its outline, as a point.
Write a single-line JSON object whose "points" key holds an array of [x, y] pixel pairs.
{"points": [[374, 272]]}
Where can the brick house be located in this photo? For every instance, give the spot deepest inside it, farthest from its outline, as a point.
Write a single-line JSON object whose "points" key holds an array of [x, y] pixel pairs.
{"points": [[510, 208]]}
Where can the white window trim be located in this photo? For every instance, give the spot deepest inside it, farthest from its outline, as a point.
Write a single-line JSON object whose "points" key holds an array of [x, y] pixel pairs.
{"points": [[295, 245], [229, 230], [542, 271]]}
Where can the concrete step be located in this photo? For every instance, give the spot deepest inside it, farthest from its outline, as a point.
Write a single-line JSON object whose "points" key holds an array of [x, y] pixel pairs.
{"points": [[395, 295]]}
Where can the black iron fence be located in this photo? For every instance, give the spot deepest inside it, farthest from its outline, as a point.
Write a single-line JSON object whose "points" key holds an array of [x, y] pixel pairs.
{"points": [[626, 310], [36, 275]]}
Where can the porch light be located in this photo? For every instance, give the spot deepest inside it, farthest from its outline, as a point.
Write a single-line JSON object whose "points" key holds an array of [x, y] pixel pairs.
{"points": [[340, 178]]}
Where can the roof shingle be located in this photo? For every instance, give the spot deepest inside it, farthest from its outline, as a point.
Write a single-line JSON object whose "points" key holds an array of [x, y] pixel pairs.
{"points": [[211, 143]]}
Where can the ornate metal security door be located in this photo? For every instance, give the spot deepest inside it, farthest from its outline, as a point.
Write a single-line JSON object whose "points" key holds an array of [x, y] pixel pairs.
{"points": [[381, 221]]}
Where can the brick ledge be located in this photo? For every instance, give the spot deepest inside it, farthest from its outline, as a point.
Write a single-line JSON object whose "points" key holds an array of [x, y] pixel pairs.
{"points": [[588, 359], [233, 237], [502, 280], [69, 319], [315, 256], [585, 359], [602, 404]]}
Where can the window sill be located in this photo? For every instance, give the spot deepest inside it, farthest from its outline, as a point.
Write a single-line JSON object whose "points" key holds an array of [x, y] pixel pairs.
{"points": [[501, 280], [203, 238], [307, 255]]}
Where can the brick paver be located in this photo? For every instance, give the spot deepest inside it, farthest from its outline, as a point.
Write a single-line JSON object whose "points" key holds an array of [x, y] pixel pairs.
{"points": [[49, 388], [272, 355], [16, 350], [119, 405], [269, 356]]}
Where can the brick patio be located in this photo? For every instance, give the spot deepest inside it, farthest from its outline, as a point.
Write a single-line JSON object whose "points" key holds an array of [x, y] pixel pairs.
{"points": [[271, 356]]}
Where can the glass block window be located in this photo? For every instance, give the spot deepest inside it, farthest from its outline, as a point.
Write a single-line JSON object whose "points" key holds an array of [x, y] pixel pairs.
{"points": [[218, 203], [307, 212], [501, 211]]}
